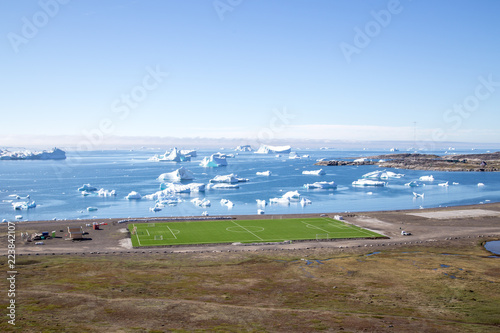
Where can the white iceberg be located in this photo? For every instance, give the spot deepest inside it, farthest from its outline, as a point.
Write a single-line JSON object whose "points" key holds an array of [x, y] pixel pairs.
{"points": [[480, 184], [360, 160], [54, 154], [226, 202], [205, 213], [177, 175], [382, 174], [260, 212], [133, 196], [189, 153], [244, 148], [292, 195], [23, 205], [443, 184], [427, 178], [88, 188], [181, 188], [231, 178], [103, 193], [305, 201], [414, 183], [261, 202], [174, 156], [319, 172], [368, 182], [321, 185], [264, 149], [213, 161], [293, 156], [223, 186], [263, 173], [201, 202]]}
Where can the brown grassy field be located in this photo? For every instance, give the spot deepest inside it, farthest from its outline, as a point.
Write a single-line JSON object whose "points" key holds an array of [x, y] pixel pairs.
{"points": [[414, 289]]}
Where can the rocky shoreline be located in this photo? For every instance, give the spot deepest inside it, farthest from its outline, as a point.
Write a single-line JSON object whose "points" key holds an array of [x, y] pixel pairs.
{"points": [[489, 162]]}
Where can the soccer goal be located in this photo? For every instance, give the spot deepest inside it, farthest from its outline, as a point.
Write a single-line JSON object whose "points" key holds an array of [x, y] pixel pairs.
{"points": [[320, 237], [151, 224], [158, 237]]}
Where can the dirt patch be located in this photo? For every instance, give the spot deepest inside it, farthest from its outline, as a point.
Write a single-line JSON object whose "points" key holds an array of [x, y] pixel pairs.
{"points": [[457, 214]]}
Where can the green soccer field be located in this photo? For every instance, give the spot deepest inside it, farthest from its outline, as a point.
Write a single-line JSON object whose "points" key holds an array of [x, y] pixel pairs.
{"points": [[243, 231]]}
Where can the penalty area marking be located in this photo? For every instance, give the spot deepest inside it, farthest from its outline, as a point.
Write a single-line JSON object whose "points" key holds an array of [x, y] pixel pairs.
{"points": [[246, 229], [137, 235], [172, 232]]}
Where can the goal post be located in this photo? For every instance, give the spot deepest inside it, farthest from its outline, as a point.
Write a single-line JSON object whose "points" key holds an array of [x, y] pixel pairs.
{"points": [[320, 237], [151, 224], [158, 237]]}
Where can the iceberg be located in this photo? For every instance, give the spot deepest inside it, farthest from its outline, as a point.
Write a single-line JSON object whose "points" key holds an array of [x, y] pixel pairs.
{"points": [[189, 153], [226, 202], [264, 149], [382, 174], [293, 156], [133, 196], [231, 178], [201, 202], [54, 154], [261, 202], [305, 201], [87, 188], [260, 212], [23, 205], [104, 193], [222, 186], [244, 148], [263, 173], [319, 172], [174, 156], [360, 160], [427, 178], [368, 182], [213, 161], [291, 196], [177, 175], [321, 185], [168, 190]]}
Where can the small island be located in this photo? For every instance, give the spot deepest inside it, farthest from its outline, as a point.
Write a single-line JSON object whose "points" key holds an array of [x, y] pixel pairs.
{"points": [[465, 162], [54, 154]]}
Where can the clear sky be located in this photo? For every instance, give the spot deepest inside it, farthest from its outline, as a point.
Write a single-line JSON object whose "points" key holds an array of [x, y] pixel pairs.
{"points": [[324, 69]]}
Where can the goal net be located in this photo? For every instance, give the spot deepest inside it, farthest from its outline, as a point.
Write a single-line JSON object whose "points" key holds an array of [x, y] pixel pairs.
{"points": [[151, 224], [322, 236], [158, 237]]}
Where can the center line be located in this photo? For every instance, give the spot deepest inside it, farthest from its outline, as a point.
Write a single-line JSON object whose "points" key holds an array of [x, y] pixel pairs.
{"points": [[247, 230]]}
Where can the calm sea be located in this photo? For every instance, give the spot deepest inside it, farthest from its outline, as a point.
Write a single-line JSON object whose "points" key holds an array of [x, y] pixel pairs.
{"points": [[53, 185]]}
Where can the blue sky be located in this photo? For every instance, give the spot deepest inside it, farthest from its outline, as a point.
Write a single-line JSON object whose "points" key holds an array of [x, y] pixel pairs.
{"points": [[338, 70]]}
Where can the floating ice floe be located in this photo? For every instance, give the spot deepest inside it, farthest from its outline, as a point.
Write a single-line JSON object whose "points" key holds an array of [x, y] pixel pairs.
{"points": [[382, 174], [417, 195], [455, 183], [189, 153], [174, 156], [480, 184], [223, 186], [305, 201], [201, 202], [231, 178], [104, 193], [427, 178], [87, 188], [261, 202], [260, 211], [244, 148], [264, 149], [263, 173], [18, 217], [368, 182], [133, 196], [291, 196], [443, 184], [360, 160], [18, 197], [173, 188], [177, 175], [213, 161], [156, 208], [319, 172], [321, 185], [205, 213], [414, 183], [293, 156], [54, 154], [23, 205], [226, 202]]}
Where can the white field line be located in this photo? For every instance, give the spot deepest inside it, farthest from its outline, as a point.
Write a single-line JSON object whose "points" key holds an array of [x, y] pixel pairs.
{"points": [[137, 235], [148, 232], [247, 230], [172, 232], [312, 226]]}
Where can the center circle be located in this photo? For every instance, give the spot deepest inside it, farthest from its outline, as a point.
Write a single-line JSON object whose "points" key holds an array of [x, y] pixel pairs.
{"points": [[245, 229]]}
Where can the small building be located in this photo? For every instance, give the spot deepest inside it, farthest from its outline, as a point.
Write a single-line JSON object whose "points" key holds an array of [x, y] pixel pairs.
{"points": [[75, 232]]}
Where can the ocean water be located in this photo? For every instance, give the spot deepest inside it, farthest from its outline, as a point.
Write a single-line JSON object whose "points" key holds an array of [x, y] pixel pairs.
{"points": [[53, 185]]}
